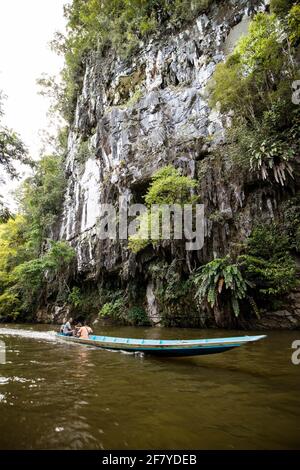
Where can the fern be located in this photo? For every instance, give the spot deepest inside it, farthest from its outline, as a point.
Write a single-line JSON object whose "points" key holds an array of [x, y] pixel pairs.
{"points": [[219, 278]]}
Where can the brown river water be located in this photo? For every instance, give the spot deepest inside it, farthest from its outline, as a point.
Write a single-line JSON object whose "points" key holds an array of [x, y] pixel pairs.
{"points": [[55, 395]]}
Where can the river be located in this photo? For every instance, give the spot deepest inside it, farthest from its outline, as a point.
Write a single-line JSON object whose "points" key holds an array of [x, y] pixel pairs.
{"points": [[55, 395]]}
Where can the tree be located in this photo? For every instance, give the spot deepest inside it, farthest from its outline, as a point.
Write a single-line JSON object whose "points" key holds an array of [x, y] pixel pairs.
{"points": [[29, 260], [41, 197], [12, 150]]}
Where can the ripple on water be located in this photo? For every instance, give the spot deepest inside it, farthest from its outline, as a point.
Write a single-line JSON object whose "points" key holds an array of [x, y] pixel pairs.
{"points": [[37, 335], [4, 380], [3, 398], [21, 380]]}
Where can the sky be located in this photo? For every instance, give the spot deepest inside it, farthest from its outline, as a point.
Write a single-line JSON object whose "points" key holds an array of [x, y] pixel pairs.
{"points": [[26, 28]]}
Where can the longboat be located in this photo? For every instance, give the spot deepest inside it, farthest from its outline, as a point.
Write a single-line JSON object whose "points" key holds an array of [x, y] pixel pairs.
{"points": [[161, 347]]}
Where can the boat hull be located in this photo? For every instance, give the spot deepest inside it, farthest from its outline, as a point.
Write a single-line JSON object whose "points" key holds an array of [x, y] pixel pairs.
{"points": [[165, 348], [177, 352]]}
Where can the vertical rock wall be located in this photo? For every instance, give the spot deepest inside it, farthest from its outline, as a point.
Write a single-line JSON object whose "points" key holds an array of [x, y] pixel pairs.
{"points": [[136, 116]]}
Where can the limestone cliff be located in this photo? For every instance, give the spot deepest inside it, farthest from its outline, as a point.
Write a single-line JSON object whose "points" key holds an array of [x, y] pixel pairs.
{"points": [[138, 115]]}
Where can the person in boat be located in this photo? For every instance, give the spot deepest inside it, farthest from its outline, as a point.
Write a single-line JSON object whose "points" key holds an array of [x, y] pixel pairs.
{"points": [[84, 331], [77, 328], [66, 327]]}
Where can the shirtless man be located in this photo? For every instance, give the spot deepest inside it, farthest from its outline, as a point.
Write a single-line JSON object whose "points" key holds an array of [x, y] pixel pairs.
{"points": [[84, 331]]}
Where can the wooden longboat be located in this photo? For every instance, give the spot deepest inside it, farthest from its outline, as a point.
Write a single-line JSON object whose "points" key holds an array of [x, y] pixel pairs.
{"points": [[157, 347]]}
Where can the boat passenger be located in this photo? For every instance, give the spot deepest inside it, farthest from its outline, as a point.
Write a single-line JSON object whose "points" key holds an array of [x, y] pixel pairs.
{"points": [[84, 331], [62, 326], [77, 328], [66, 328]]}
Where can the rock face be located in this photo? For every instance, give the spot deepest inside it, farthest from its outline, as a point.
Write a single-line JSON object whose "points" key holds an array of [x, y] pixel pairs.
{"points": [[136, 116]]}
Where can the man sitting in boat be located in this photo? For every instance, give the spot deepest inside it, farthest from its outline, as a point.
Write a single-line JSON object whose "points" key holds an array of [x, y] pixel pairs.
{"points": [[66, 328], [83, 332]]}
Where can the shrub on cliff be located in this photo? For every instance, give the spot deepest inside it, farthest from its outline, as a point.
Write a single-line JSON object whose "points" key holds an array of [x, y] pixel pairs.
{"points": [[173, 291], [75, 297], [137, 315], [263, 273], [267, 263], [256, 83], [116, 307], [255, 75], [219, 281], [168, 187], [281, 7], [290, 221]]}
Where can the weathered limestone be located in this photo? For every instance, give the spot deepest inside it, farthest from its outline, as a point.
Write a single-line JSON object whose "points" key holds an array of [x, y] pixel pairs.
{"points": [[136, 116]]}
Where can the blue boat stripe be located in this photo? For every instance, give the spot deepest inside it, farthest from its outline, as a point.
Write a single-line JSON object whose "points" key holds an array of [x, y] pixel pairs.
{"points": [[150, 342]]}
